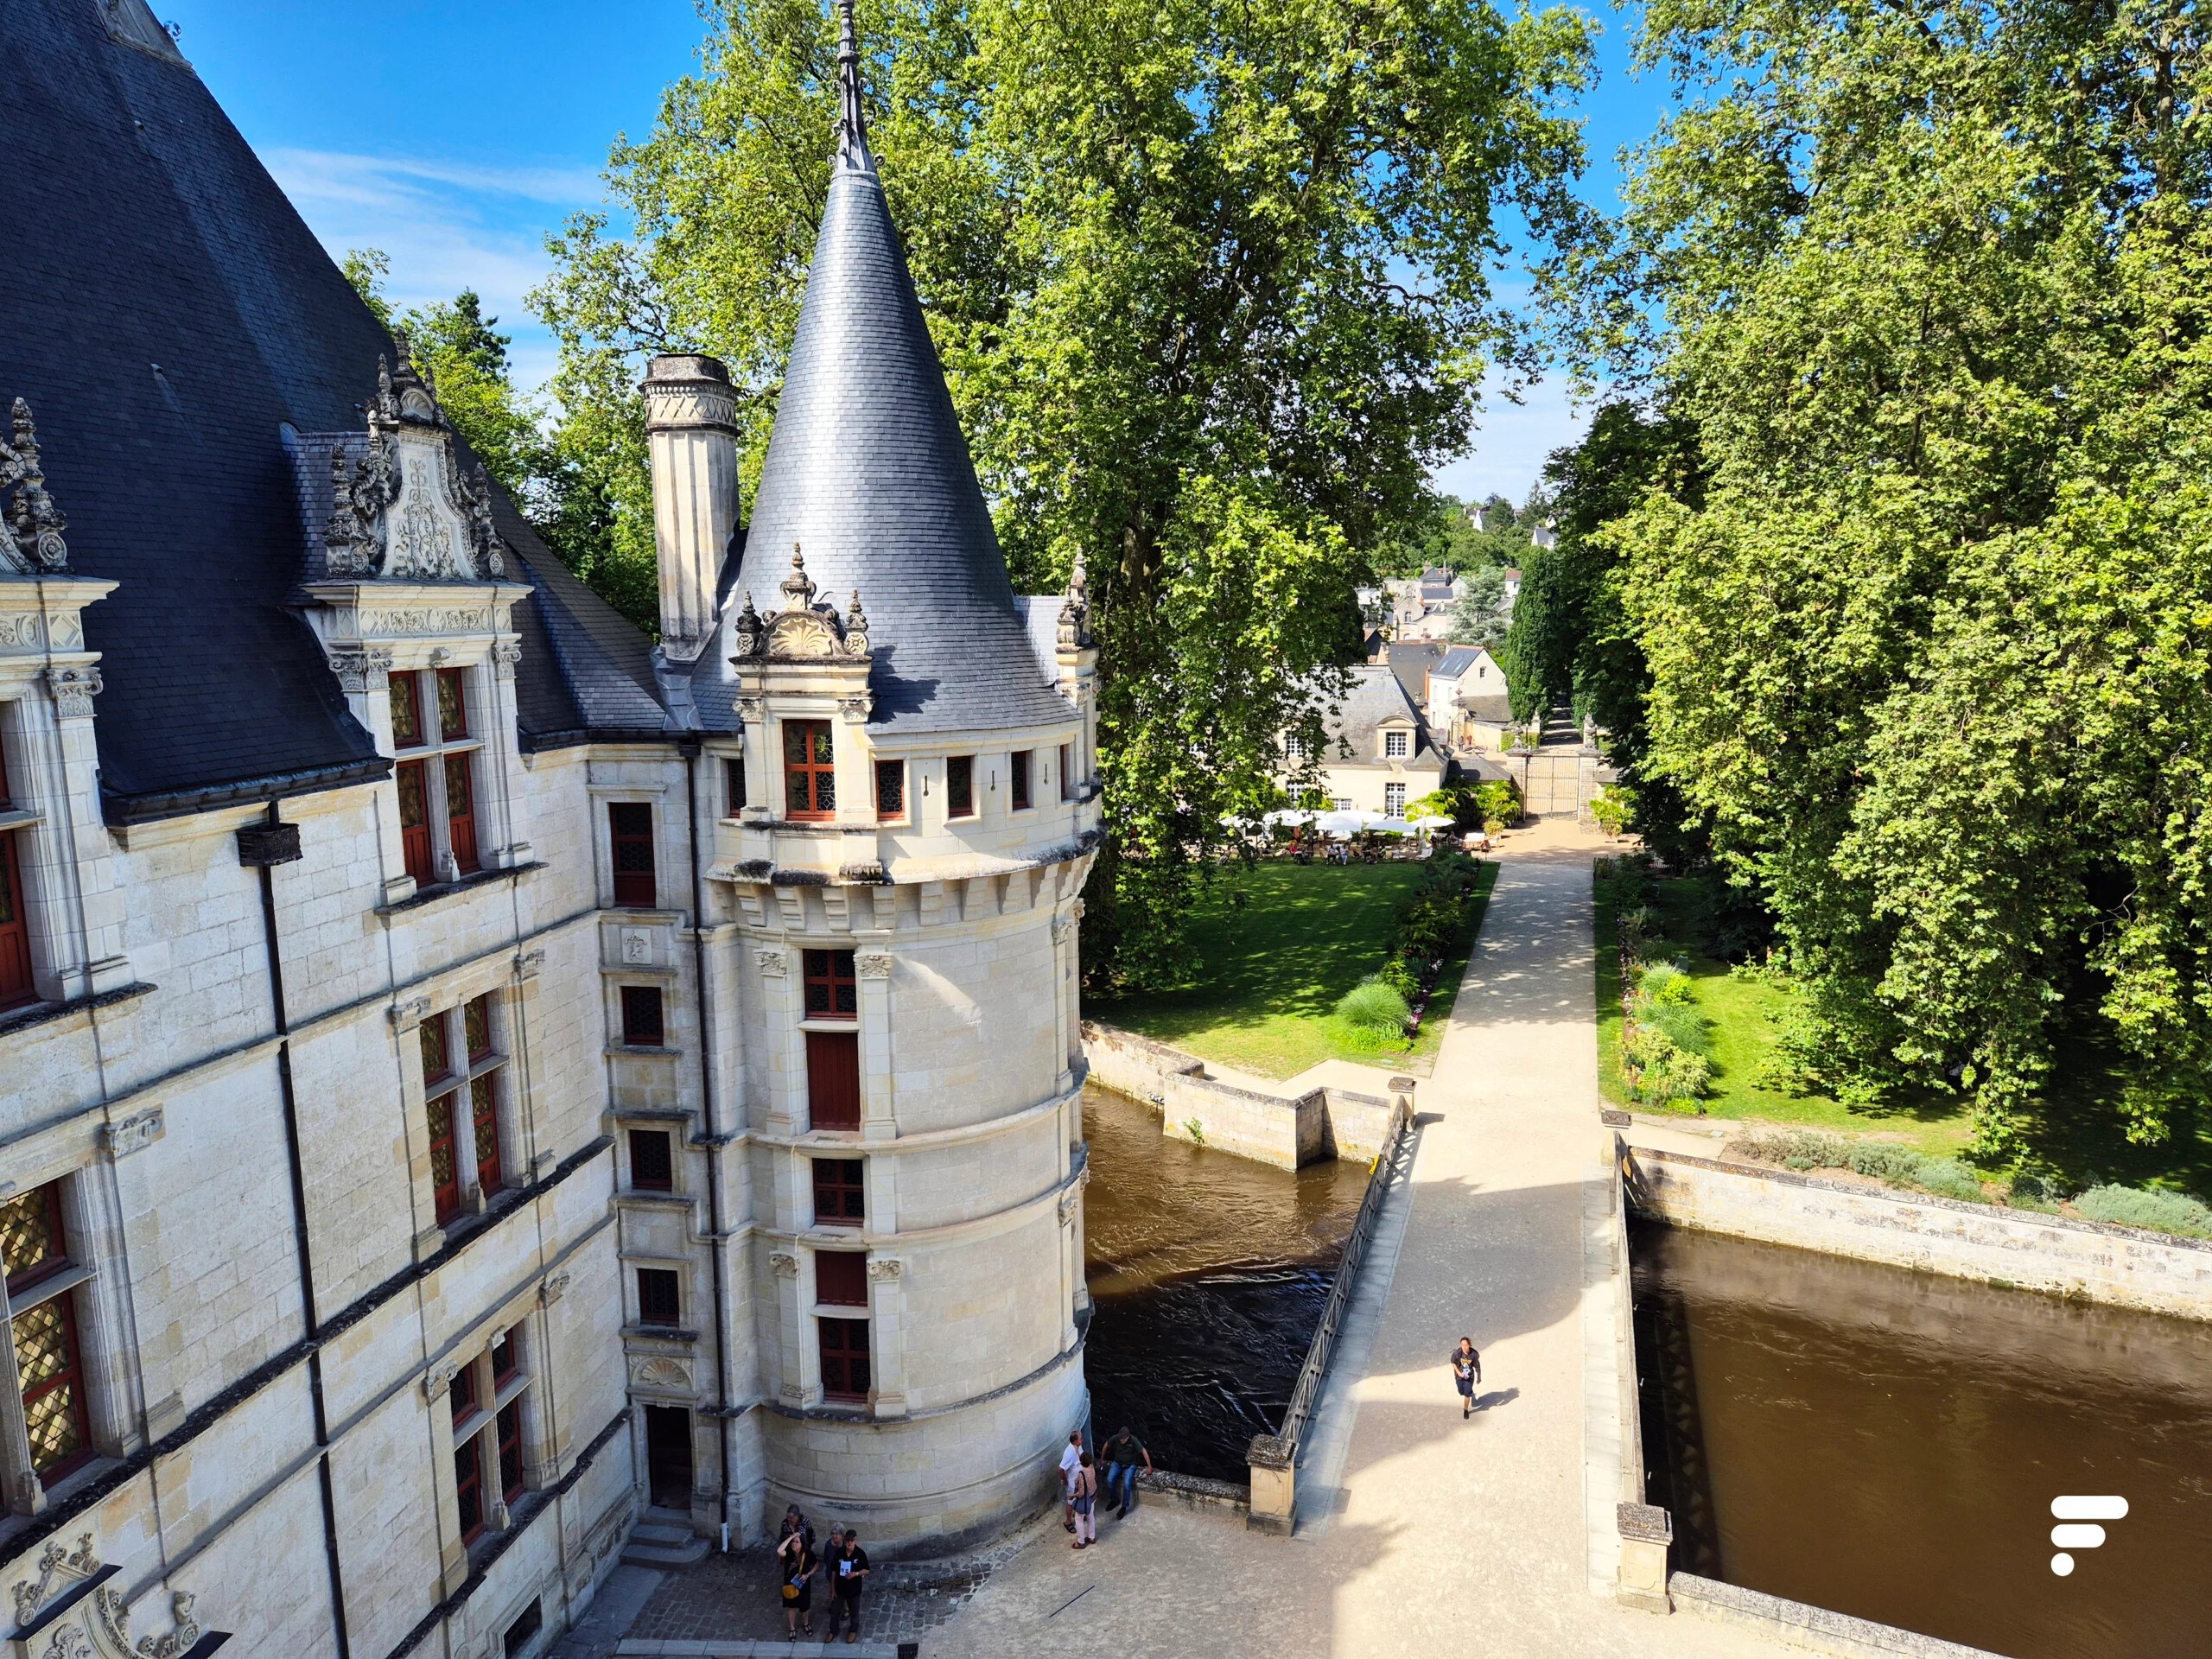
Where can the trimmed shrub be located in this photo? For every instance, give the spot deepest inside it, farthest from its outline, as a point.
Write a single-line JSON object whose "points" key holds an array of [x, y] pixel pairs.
{"points": [[1885, 1162], [1372, 1006], [1801, 1149], [2137, 1206]]}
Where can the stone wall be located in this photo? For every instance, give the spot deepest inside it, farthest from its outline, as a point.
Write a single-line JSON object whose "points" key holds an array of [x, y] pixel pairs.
{"points": [[2123, 1266]]}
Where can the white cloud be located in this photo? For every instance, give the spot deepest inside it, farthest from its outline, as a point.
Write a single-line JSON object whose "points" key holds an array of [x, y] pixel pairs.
{"points": [[1514, 442], [446, 225]]}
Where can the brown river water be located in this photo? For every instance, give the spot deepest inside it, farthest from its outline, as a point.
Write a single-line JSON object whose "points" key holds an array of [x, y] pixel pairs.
{"points": [[1887, 1444], [1207, 1273]]}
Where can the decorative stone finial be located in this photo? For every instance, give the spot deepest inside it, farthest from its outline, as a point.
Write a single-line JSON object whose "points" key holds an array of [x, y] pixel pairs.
{"points": [[35, 524], [799, 587], [852, 121], [856, 628], [1075, 609], [750, 630]]}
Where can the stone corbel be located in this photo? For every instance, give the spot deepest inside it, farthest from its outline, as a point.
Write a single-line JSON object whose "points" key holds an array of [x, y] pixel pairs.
{"points": [[774, 963], [551, 1290], [873, 964], [527, 964], [753, 710], [783, 1264], [1070, 1200], [881, 1268], [410, 1012], [139, 1130], [438, 1379]]}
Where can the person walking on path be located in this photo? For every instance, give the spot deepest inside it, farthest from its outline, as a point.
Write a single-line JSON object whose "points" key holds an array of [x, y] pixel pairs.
{"points": [[848, 1578], [1123, 1453], [796, 1566], [1466, 1375], [1071, 1456], [1083, 1498]]}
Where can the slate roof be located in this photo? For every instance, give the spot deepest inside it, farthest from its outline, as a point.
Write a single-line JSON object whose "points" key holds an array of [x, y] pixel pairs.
{"points": [[1376, 696], [1491, 709], [165, 312], [1455, 662], [868, 474], [1411, 661]]}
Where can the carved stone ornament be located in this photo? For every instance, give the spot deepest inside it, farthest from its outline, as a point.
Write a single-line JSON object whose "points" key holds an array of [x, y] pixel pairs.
{"points": [[528, 963], [774, 964], [660, 1372], [855, 709], [1063, 926], [59, 1567], [401, 507], [410, 1012], [783, 1264], [873, 964], [438, 1379], [753, 710], [801, 631], [74, 691], [551, 1291], [1074, 610], [133, 1133], [885, 1267], [33, 546], [1070, 1201], [504, 655], [361, 672], [20, 632]]}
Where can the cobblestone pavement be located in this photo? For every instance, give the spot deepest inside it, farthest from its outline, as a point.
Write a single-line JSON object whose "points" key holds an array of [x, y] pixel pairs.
{"points": [[735, 1597]]}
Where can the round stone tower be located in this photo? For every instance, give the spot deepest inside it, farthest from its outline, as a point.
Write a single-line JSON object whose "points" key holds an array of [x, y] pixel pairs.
{"points": [[895, 981]]}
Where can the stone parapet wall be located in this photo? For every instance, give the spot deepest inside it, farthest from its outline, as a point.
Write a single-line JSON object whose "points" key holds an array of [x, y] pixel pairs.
{"points": [[1287, 1130], [2124, 1266]]}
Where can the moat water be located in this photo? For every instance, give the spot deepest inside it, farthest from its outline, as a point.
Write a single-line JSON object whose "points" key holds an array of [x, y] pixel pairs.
{"points": [[1887, 1444], [1207, 1273]]}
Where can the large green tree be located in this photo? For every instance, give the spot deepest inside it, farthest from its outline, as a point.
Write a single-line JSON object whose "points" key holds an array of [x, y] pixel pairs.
{"points": [[1929, 652], [1212, 284]]}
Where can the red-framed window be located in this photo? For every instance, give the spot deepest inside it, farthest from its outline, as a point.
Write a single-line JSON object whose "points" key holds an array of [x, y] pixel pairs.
{"points": [[809, 781], [470, 1512], [439, 1081], [960, 786], [453, 706], [891, 790], [483, 1093], [413, 779], [1017, 778], [407, 731], [659, 1299], [844, 1359], [833, 1079], [641, 1016], [1067, 771], [630, 838], [461, 812], [49, 1358], [510, 1450], [832, 991], [652, 1160], [507, 1356], [839, 1195], [16, 984], [841, 1278]]}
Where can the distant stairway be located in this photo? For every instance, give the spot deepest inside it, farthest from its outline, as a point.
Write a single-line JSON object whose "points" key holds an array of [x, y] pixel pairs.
{"points": [[664, 1538]]}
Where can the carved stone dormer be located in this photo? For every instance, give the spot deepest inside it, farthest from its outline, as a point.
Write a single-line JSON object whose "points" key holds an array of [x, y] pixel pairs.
{"points": [[801, 631], [76, 1611], [399, 506]]}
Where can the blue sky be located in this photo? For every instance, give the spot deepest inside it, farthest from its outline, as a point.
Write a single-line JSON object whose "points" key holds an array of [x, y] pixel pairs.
{"points": [[454, 135]]}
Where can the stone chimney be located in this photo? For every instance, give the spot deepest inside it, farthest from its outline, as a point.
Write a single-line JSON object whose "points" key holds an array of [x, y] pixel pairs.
{"points": [[690, 424]]}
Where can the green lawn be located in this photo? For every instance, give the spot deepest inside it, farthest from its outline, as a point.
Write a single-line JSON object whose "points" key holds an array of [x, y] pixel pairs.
{"points": [[2081, 1140], [1271, 967]]}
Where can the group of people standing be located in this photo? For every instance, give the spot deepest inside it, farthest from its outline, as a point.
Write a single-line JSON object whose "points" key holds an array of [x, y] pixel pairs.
{"points": [[842, 1564], [1081, 1489]]}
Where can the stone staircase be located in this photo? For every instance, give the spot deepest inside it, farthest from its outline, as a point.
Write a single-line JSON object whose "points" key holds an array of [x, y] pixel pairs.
{"points": [[664, 1538]]}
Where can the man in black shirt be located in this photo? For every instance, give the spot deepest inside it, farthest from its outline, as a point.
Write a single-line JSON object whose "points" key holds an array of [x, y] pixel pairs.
{"points": [[1123, 1453], [848, 1564]]}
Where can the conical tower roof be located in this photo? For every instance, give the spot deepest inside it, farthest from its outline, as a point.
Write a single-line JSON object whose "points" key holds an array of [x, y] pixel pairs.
{"points": [[868, 475]]}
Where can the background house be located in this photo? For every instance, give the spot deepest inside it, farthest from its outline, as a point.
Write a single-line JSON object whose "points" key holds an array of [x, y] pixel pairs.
{"points": [[1376, 755]]}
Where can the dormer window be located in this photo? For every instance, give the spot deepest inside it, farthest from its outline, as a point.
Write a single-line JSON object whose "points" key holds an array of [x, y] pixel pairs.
{"points": [[437, 774], [1397, 746]]}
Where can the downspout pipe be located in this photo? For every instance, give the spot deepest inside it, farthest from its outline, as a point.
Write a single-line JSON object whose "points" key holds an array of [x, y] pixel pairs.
{"points": [[717, 1238], [262, 847]]}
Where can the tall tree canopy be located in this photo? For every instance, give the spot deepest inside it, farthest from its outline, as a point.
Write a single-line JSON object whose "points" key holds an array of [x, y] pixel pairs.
{"points": [[1211, 285], [1928, 654]]}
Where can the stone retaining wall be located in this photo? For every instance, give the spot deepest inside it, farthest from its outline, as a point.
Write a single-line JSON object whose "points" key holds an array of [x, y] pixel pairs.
{"points": [[1804, 1626], [2123, 1266], [1285, 1130]]}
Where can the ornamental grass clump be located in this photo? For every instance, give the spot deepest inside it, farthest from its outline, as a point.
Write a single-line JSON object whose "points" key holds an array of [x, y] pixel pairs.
{"points": [[1374, 1012], [1669, 1040]]}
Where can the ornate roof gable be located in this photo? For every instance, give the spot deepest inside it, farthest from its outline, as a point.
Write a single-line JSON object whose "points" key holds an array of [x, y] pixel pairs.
{"points": [[395, 503], [801, 631]]}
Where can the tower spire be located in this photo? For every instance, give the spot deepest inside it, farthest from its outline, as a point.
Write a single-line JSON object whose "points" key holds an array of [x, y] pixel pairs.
{"points": [[853, 152]]}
